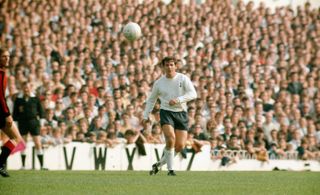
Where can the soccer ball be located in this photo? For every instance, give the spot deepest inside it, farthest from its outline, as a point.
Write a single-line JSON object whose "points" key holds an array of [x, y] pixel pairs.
{"points": [[132, 31]]}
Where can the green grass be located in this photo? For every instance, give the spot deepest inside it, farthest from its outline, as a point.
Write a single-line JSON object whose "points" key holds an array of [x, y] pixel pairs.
{"points": [[135, 182]]}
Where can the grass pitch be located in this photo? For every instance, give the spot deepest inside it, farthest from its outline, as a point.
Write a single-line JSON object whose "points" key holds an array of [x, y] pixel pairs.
{"points": [[139, 182]]}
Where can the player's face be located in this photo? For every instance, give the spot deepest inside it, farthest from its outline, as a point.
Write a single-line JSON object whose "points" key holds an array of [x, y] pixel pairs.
{"points": [[4, 59], [170, 69], [27, 89]]}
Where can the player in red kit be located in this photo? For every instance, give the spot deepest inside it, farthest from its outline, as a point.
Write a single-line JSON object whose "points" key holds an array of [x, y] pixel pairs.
{"points": [[15, 142]]}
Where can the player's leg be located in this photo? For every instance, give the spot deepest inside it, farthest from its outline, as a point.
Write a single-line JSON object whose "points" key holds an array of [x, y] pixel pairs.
{"points": [[167, 125], [4, 137], [168, 152], [39, 150], [23, 130], [13, 133], [9, 146], [23, 152], [181, 127], [170, 137], [35, 132], [181, 138], [5, 151]]}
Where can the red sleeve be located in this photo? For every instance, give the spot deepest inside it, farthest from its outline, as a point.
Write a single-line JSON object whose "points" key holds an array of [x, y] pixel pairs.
{"points": [[3, 103]]}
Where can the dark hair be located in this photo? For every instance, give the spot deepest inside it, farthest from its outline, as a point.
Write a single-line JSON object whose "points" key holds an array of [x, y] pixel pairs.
{"points": [[129, 132], [168, 59]]}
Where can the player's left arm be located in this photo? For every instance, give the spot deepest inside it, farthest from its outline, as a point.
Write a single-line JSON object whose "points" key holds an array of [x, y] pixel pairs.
{"points": [[190, 91], [151, 101], [16, 106], [40, 109]]}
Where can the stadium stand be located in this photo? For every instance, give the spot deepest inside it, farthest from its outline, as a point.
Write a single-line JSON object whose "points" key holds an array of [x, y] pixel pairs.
{"points": [[256, 71]]}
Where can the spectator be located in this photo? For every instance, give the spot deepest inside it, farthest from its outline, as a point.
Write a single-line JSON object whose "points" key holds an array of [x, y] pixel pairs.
{"points": [[261, 152], [83, 125], [59, 138], [226, 132], [157, 134], [46, 138], [67, 98], [126, 123], [294, 86], [296, 139], [133, 120], [199, 134], [137, 138], [269, 124], [71, 133], [193, 144], [146, 131], [246, 66], [303, 150], [233, 143], [96, 125], [49, 119], [47, 102], [58, 110], [69, 117], [313, 146], [102, 138], [113, 140], [92, 137], [102, 114], [276, 152]]}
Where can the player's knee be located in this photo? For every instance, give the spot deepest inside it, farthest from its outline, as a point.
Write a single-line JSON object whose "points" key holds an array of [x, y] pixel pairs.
{"points": [[178, 147], [170, 143], [37, 140], [8, 124], [170, 138], [37, 145]]}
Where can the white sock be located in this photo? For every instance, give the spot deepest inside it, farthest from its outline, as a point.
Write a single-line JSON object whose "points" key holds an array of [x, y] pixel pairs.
{"points": [[170, 158], [39, 152], [163, 159]]}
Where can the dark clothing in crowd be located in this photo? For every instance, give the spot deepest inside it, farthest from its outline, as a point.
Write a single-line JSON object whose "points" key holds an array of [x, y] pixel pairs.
{"points": [[27, 112]]}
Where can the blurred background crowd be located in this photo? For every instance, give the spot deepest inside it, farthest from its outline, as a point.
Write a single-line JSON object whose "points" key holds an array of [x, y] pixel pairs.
{"points": [[256, 70]]}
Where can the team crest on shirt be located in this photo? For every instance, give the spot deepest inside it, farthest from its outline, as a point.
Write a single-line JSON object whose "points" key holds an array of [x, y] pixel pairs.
{"points": [[21, 109]]}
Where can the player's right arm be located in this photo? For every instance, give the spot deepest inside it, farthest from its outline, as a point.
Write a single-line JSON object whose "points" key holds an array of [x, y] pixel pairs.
{"points": [[4, 107], [151, 101], [3, 103], [16, 106]]}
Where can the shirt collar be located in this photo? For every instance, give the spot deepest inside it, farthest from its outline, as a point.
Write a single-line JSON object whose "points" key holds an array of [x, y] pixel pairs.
{"points": [[21, 95]]}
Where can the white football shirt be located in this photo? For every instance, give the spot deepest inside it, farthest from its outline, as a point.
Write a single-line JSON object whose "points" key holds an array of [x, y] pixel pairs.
{"points": [[179, 87]]}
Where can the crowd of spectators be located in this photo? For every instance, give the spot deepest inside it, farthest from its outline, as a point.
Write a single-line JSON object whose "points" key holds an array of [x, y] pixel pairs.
{"points": [[256, 70]]}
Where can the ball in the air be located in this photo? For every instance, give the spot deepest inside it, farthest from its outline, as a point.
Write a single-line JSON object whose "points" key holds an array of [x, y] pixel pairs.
{"points": [[132, 31]]}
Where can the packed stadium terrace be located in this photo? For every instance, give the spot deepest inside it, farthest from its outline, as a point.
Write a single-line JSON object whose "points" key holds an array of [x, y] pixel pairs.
{"points": [[256, 71]]}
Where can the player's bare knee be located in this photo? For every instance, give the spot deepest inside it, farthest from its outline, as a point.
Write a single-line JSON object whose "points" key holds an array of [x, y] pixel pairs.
{"points": [[170, 137], [178, 147], [8, 125], [37, 145], [37, 142], [170, 143]]}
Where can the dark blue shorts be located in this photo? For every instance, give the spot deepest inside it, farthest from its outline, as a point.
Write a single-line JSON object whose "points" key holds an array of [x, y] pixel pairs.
{"points": [[178, 120], [31, 126]]}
